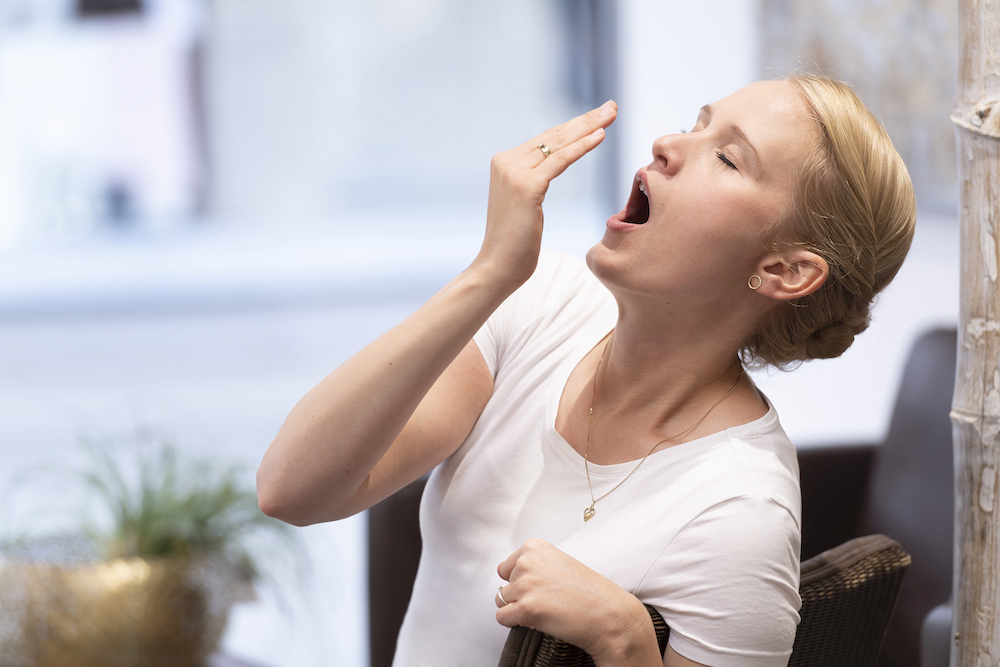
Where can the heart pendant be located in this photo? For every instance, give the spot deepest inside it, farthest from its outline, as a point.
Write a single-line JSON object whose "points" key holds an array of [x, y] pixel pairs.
{"points": [[589, 513]]}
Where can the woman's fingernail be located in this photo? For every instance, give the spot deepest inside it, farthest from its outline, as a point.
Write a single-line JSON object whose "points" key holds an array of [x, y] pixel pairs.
{"points": [[598, 132]]}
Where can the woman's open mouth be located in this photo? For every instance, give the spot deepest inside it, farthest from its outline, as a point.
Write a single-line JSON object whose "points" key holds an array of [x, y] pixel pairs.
{"points": [[637, 208]]}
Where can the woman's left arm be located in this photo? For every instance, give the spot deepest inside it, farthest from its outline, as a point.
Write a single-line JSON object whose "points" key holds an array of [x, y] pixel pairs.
{"points": [[550, 591]]}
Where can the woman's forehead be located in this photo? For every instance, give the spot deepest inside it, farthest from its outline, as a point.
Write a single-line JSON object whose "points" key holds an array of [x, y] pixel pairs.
{"points": [[777, 96]]}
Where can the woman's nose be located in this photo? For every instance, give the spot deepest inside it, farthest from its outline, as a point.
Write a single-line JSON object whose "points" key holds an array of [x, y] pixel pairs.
{"points": [[668, 152]]}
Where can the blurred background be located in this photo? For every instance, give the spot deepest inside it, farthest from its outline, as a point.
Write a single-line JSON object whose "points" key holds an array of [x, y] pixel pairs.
{"points": [[207, 205]]}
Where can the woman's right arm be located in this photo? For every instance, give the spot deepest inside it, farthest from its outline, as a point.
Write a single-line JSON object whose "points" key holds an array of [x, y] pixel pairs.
{"points": [[408, 400]]}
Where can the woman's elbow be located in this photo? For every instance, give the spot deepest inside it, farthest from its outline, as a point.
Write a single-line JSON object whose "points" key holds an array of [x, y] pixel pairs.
{"points": [[268, 499], [274, 501], [277, 501]]}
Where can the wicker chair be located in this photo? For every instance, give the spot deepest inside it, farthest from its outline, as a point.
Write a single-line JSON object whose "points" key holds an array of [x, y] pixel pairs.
{"points": [[848, 594], [528, 648]]}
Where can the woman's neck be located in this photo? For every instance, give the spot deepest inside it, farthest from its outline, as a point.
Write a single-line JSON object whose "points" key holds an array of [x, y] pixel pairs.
{"points": [[666, 374]]}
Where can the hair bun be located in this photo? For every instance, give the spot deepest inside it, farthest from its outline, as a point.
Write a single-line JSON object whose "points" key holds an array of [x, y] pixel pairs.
{"points": [[832, 340]]}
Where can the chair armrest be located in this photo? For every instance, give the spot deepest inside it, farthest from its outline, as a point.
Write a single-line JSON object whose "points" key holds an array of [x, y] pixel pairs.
{"points": [[834, 480], [532, 648]]}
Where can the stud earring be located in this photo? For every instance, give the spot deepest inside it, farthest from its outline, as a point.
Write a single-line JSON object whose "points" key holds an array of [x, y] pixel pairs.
{"points": [[750, 282]]}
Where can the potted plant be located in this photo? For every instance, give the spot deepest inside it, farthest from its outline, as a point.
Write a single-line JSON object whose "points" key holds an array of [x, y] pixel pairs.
{"points": [[156, 586]]}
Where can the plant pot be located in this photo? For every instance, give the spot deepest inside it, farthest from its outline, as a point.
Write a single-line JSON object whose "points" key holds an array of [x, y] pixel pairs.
{"points": [[130, 612]]}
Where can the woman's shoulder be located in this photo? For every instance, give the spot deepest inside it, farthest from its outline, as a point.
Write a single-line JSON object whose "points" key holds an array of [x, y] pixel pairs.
{"points": [[764, 463], [741, 465]]}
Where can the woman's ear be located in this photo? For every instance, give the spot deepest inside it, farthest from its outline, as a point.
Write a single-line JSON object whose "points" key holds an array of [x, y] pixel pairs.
{"points": [[794, 273]]}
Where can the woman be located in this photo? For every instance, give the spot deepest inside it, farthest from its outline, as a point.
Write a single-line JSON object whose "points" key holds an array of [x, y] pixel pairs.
{"points": [[596, 432]]}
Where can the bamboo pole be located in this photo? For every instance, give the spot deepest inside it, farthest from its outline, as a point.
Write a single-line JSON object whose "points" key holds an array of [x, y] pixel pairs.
{"points": [[976, 406]]}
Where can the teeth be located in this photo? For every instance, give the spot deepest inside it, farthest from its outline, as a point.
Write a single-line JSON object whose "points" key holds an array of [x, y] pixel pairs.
{"points": [[642, 188]]}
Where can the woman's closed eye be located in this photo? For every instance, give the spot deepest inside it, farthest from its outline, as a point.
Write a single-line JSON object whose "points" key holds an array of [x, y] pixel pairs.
{"points": [[725, 160]]}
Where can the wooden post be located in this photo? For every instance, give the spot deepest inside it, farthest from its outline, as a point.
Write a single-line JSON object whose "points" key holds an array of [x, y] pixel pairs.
{"points": [[976, 407]]}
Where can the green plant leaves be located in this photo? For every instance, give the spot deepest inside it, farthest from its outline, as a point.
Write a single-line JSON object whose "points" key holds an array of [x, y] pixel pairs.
{"points": [[173, 506]]}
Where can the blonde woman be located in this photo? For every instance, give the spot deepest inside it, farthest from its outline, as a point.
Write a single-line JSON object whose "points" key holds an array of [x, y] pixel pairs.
{"points": [[595, 442]]}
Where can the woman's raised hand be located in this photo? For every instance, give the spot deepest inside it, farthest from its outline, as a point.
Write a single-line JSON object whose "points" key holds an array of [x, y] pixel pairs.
{"points": [[519, 179]]}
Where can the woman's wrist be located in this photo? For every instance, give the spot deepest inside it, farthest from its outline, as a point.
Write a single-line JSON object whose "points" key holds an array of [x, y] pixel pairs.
{"points": [[631, 642], [498, 276]]}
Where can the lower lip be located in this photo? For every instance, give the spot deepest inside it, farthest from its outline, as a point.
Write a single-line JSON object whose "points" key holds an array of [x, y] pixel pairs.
{"points": [[616, 224]]}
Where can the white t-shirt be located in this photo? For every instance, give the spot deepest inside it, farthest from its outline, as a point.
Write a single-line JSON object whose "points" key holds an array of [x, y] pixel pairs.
{"points": [[707, 531]]}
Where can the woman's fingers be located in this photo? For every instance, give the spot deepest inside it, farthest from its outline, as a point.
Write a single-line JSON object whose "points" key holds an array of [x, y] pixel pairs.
{"points": [[513, 608], [505, 595], [566, 134], [506, 568], [557, 163]]}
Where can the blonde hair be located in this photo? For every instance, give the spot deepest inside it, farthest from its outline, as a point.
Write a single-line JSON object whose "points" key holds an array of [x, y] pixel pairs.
{"points": [[854, 208]]}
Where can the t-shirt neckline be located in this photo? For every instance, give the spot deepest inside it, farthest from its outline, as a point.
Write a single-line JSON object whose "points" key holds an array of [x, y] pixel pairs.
{"points": [[558, 385]]}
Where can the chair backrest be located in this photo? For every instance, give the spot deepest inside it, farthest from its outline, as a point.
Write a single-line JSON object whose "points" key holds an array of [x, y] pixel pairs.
{"points": [[394, 547], [848, 594]]}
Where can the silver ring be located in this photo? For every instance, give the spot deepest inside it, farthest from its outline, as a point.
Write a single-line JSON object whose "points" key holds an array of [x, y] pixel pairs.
{"points": [[500, 593], [545, 150]]}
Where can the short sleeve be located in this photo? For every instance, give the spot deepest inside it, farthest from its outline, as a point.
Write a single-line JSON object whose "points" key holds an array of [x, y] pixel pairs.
{"points": [[490, 336], [727, 585]]}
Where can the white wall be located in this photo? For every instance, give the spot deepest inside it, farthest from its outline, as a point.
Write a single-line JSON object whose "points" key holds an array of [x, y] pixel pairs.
{"points": [[87, 106], [320, 108]]}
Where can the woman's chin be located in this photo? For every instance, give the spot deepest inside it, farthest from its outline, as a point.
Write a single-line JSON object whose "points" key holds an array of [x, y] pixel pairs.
{"points": [[609, 243], [593, 255], [600, 258]]}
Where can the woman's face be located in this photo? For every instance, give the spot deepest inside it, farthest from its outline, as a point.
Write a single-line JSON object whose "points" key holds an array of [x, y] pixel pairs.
{"points": [[715, 198]]}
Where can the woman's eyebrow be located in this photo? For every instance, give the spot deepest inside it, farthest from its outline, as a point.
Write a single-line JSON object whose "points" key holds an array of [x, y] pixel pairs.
{"points": [[738, 133]]}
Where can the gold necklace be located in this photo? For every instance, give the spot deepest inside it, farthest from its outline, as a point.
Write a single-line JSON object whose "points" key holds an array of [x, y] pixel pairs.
{"points": [[589, 512]]}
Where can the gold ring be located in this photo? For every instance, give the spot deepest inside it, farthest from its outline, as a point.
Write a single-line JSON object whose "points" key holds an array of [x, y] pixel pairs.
{"points": [[759, 282], [544, 149]]}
